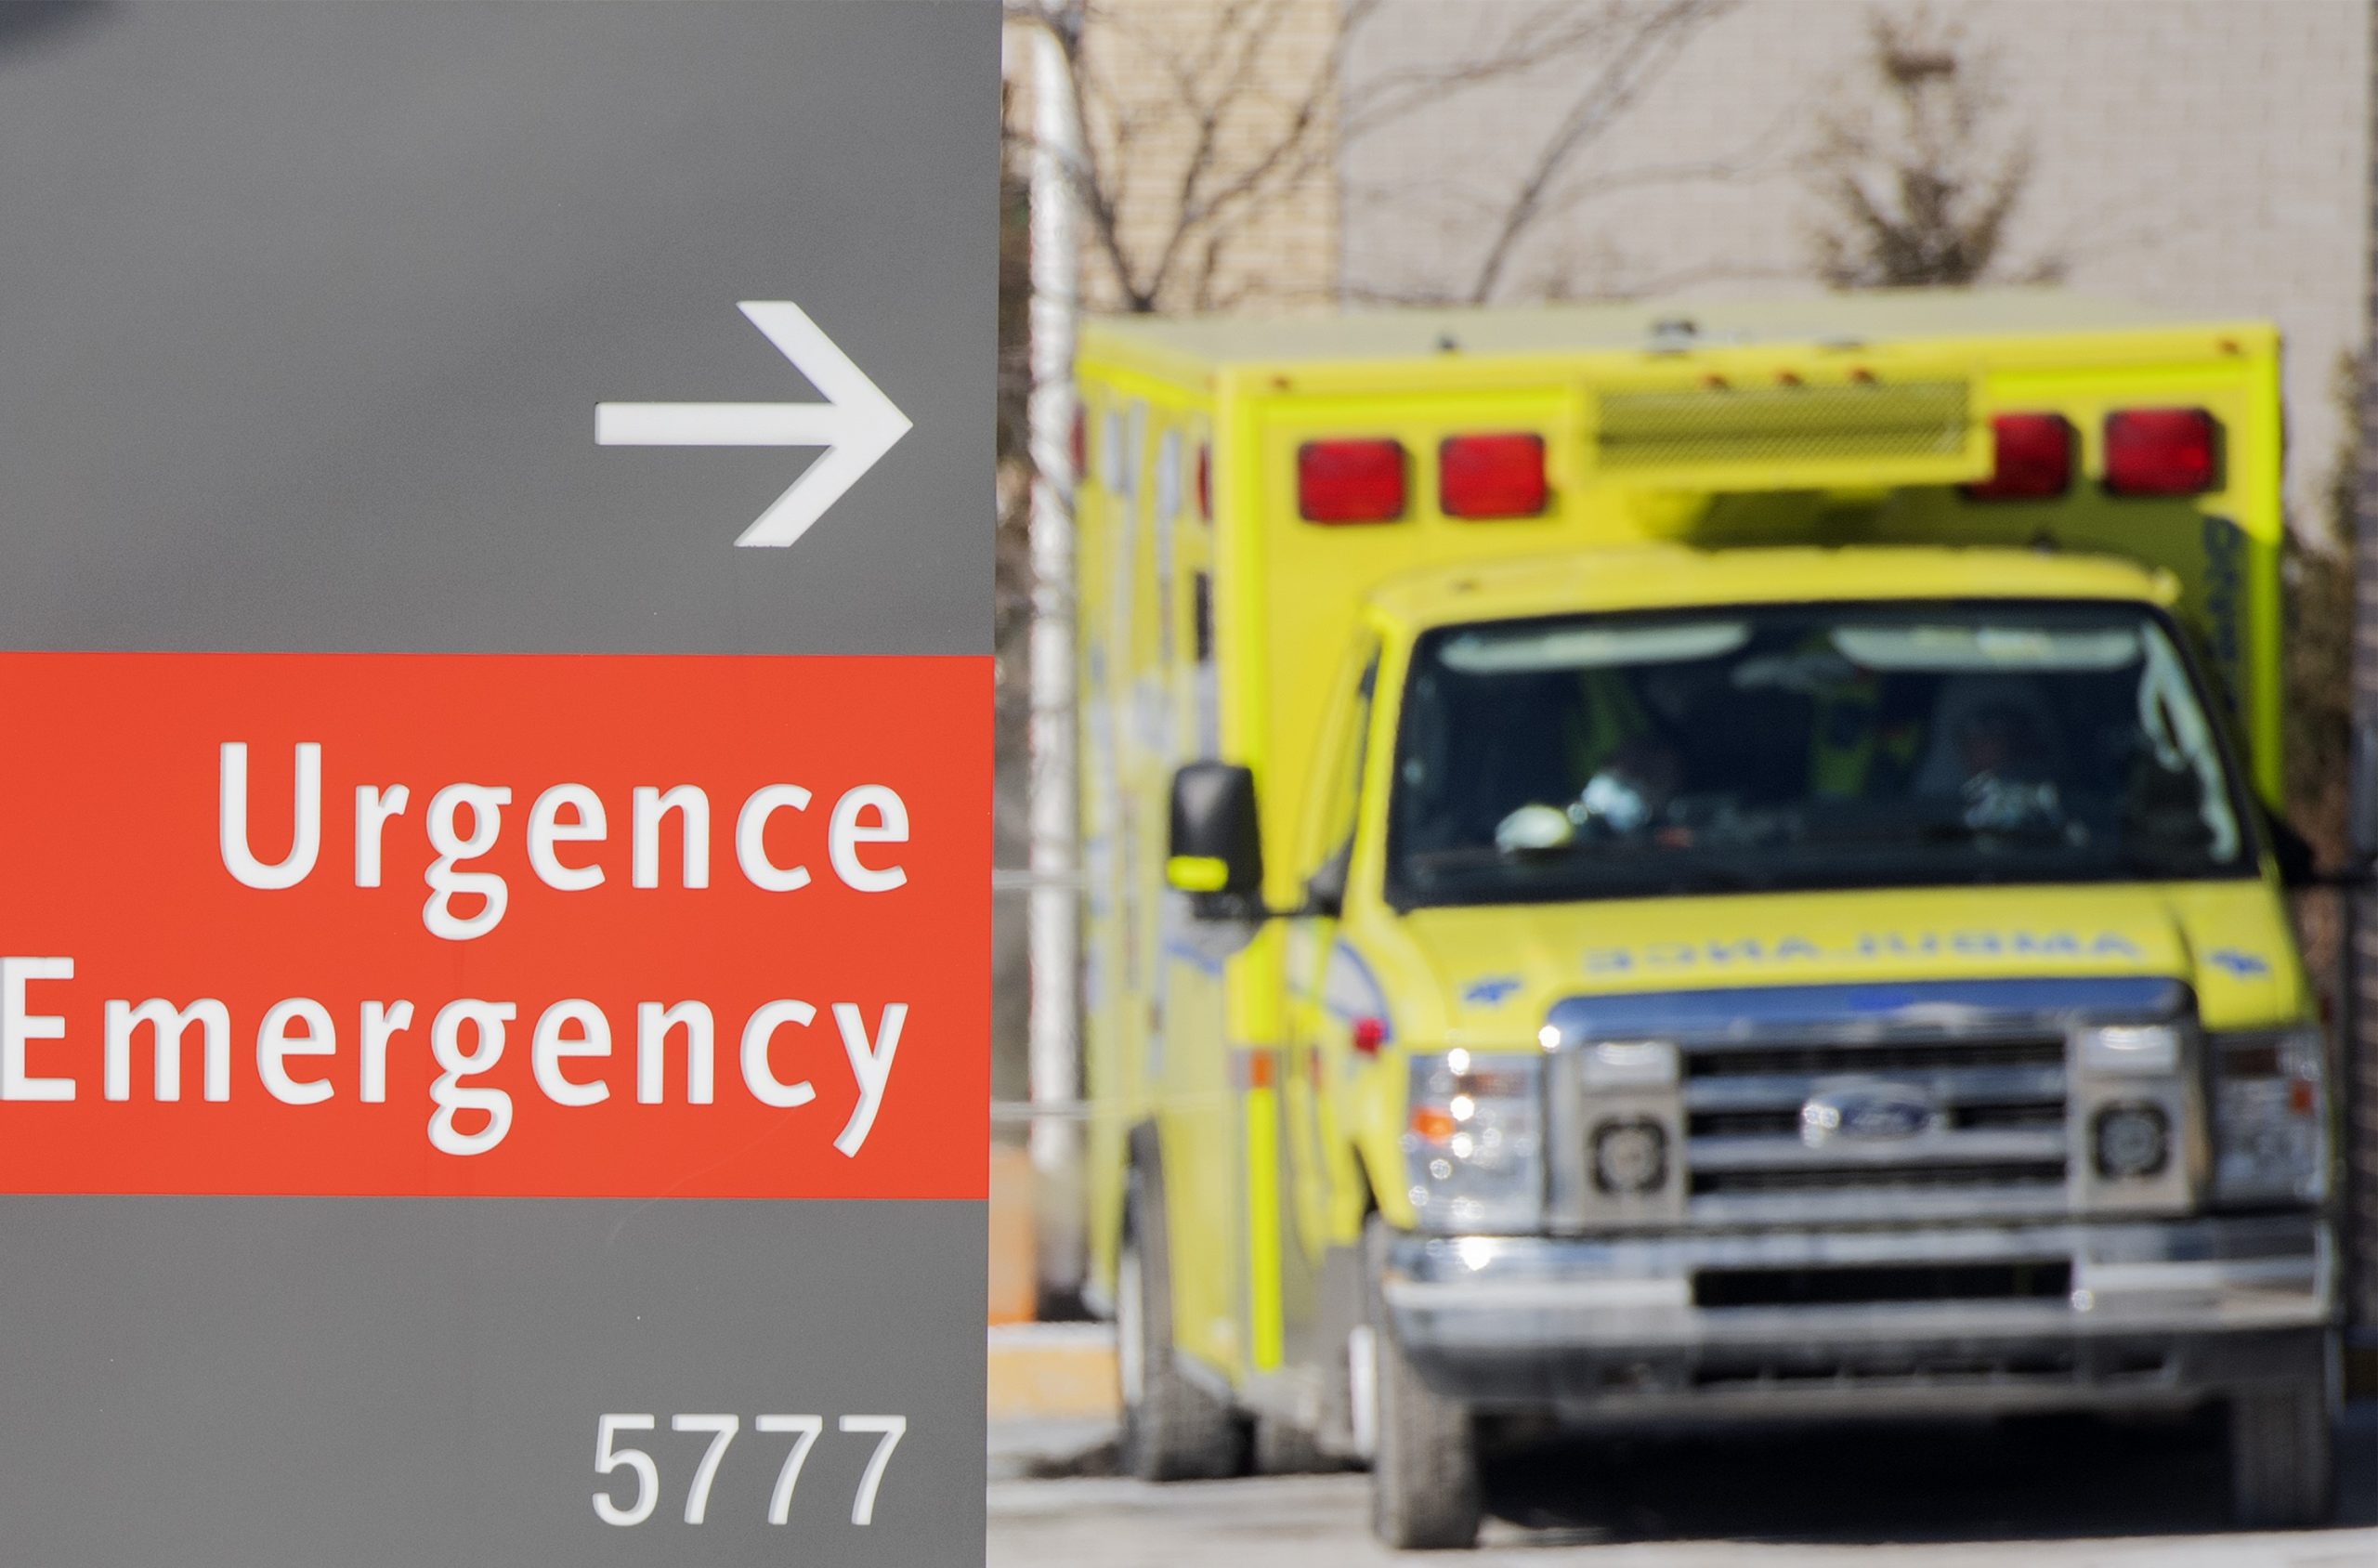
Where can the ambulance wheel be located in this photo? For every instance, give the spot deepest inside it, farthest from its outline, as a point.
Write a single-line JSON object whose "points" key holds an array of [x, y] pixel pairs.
{"points": [[1425, 1488], [2282, 1454], [1173, 1428]]}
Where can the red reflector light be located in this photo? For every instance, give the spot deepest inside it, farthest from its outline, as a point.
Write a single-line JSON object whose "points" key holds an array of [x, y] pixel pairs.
{"points": [[1491, 476], [1350, 481], [1369, 1035], [2034, 459], [2162, 452], [1205, 481]]}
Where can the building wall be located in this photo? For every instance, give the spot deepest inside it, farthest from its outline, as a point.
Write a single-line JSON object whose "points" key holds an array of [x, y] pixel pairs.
{"points": [[2209, 155], [1170, 84]]}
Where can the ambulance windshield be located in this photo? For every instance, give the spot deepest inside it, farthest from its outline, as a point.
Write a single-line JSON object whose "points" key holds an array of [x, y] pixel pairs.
{"points": [[1806, 747]]}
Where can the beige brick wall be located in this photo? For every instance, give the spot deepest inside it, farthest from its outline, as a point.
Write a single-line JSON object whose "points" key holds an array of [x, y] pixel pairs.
{"points": [[2205, 154], [1216, 84]]}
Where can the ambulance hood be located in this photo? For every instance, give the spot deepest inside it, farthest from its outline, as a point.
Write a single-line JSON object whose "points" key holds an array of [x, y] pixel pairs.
{"points": [[1485, 976]]}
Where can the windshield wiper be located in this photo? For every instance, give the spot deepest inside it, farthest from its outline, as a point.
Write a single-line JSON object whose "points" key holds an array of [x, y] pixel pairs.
{"points": [[2148, 865], [1904, 834], [1974, 833], [1704, 875]]}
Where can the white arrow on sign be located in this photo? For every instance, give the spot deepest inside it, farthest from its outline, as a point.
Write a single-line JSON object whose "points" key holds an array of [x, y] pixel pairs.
{"points": [[856, 423]]}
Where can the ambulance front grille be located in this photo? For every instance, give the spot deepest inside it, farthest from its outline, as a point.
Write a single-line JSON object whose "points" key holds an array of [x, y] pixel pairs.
{"points": [[1996, 1145]]}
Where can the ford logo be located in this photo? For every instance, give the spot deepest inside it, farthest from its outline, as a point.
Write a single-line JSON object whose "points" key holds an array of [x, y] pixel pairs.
{"points": [[1866, 1111]]}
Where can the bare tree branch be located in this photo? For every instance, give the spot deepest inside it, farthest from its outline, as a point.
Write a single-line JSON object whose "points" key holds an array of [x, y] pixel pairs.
{"points": [[1919, 182], [1547, 40], [1606, 95], [1170, 245]]}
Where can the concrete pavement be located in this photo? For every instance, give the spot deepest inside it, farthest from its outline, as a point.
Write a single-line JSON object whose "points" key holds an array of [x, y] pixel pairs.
{"points": [[2052, 1493]]}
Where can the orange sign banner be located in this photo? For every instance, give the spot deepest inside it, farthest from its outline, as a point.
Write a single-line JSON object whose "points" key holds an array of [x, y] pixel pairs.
{"points": [[495, 925]]}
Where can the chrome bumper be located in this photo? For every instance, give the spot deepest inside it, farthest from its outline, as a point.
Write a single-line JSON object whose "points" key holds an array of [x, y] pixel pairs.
{"points": [[2152, 1311]]}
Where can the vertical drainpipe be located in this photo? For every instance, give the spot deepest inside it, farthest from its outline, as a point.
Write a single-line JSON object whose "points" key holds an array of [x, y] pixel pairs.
{"points": [[1053, 931]]}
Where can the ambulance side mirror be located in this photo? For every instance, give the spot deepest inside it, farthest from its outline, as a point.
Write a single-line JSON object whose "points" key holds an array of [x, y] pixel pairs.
{"points": [[2362, 824], [1215, 850], [2298, 863]]}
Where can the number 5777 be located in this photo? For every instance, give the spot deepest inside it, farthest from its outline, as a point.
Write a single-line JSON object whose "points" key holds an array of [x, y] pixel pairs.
{"points": [[609, 1457]]}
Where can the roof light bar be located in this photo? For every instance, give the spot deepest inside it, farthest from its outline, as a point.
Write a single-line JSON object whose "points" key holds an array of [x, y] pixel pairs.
{"points": [[2162, 452], [1351, 481], [2034, 462], [1491, 476]]}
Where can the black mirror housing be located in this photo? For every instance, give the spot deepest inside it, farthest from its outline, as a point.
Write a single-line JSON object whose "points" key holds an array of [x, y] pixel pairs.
{"points": [[1215, 848], [2362, 808], [2298, 863]]}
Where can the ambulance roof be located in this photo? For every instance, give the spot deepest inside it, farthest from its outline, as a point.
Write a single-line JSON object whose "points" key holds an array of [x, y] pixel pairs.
{"points": [[1673, 577], [1842, 320]]}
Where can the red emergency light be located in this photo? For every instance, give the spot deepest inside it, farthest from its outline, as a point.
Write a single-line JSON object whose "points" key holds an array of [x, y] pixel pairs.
{"points": [[2162, 452], [1350, 481], [1491, 476], [2034, 462]]}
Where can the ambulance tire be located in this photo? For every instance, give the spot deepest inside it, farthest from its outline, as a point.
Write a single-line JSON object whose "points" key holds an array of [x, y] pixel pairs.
{"points": [[1173, 1430], [1426, 1491], [2282, 1457]]}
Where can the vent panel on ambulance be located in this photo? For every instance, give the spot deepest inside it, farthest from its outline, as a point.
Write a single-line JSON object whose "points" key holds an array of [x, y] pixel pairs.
{"points": [[1708, 435]]}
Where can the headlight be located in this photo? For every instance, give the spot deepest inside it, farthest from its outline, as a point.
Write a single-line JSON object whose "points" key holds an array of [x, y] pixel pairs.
{"points": [[2269, 1126], [1629, 1063], [2136, 1105], [2125, 1049], [1474, 1141]]}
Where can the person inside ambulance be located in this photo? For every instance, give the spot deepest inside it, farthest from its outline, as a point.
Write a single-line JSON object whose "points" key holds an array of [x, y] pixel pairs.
{"points": [[1804, 724], [1993, 750], [1631, 791], [1621, 772], [1863, 741]]}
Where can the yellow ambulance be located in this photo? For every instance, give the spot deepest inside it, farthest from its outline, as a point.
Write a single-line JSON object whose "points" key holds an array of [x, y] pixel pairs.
{"points": [[1696, 859]]}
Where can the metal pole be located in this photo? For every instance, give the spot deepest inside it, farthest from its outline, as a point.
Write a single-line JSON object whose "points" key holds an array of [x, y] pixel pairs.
{"points": [[2357, 1077], [1056, 1059]]}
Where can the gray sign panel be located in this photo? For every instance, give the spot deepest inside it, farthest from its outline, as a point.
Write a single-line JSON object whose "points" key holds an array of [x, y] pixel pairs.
{"points": [[306, 311], [294, 1382]]}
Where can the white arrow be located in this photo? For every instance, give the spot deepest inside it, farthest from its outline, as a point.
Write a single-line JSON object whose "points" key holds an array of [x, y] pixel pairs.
{"points": [[856, 423]]}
